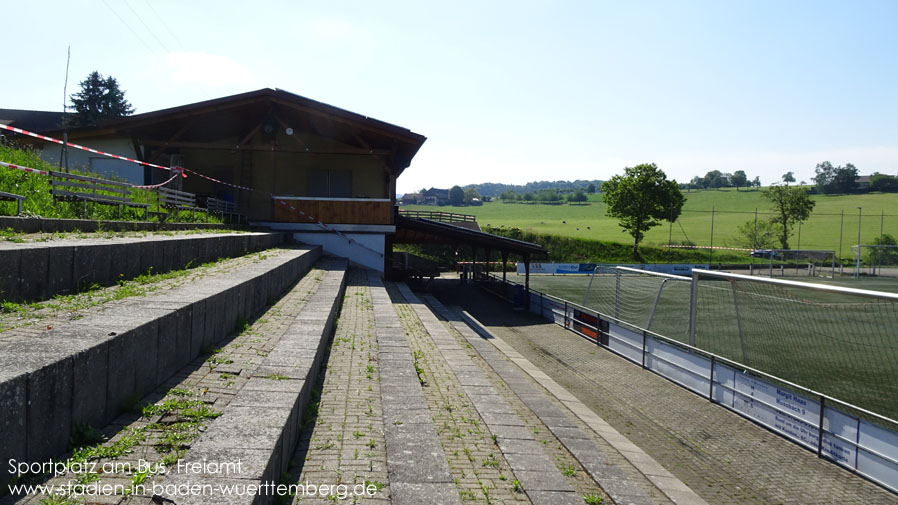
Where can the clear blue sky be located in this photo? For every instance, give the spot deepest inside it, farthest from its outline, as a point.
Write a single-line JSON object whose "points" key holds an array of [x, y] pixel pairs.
{"points": [[509, 91]]}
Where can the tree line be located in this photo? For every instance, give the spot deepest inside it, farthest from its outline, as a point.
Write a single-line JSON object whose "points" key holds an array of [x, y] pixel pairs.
{"points": [[716, 179], [833, 180], [550, 196], [495, 189]]}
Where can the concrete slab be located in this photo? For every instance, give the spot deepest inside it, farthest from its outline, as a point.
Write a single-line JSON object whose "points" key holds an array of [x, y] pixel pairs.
{"points": [[519, 446], [406, 493], [554, 498], [542, 481]]}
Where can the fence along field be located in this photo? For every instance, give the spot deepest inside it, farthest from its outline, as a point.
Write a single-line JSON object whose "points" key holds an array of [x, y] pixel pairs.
{"points": [[831, 215], [840, 345]]}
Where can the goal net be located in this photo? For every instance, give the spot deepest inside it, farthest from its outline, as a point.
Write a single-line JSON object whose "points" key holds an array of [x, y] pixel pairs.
{"points": [[649, 300], [875, 259], [793, 262], [839, 341]]}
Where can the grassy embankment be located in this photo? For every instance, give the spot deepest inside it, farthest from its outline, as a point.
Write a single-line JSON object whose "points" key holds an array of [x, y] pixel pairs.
{"points": [[39, 202]]}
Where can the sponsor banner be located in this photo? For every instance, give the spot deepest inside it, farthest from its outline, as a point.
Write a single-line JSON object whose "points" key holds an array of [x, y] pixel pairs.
{"points": [[558, 268], [665, 268], [587, 268]]}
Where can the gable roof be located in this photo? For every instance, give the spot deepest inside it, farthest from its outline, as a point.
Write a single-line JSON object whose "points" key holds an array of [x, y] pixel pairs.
{"points": [[31, 120], [236, 116]]}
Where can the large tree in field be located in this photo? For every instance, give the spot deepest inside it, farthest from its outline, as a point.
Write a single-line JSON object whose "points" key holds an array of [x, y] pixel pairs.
{"points": [[830, 179], [456, 196], [640, 199], [791, 204], [739, 179], [98, 99]]}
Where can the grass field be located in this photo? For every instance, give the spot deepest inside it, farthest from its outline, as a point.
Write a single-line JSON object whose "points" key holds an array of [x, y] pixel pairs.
{"points": [[731, 207], [840, 345]]}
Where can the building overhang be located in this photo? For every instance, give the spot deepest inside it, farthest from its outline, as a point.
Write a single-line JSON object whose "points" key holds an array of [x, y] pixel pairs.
{"points": [[426, 231]]}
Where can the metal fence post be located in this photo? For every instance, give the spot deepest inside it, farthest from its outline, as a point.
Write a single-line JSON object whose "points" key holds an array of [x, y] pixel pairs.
{"points": [[711, 247], [617, 293], [693, 300], [711, 379], [644, 339], [820, 427]]}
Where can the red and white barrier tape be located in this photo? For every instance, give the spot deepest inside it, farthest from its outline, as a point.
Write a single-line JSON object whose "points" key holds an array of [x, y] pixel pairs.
{"points": [[76, 146], [24, 169], [154, 186], [705, 247], [218, 181]]}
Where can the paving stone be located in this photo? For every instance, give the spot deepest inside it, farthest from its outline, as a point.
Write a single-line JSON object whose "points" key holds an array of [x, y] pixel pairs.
{"points": [[554, 498], [530, 462], [404, 493], [541, 481], [518, 446], [515, 432], [492, 418]]}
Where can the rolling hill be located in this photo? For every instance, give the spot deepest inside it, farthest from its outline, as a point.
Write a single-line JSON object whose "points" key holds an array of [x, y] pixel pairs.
{"points": [[731, 208]]}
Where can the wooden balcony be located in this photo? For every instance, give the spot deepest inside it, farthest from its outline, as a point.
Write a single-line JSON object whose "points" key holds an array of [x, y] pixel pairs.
{"points": [[367, 211]]}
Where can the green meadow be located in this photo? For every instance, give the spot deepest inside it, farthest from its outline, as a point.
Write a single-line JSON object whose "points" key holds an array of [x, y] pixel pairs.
{"points": [[731, 208]]}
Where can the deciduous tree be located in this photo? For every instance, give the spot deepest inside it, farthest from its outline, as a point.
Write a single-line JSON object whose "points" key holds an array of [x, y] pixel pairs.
{"points": [[456, 196], [790, 205], [640, 199]]}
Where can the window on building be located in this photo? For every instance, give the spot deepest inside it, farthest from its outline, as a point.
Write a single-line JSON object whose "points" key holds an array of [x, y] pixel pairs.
{"points": [[330, 183]]}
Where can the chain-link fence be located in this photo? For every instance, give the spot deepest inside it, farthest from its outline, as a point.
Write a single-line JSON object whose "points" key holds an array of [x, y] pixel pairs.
{"points": [[719, 233]]}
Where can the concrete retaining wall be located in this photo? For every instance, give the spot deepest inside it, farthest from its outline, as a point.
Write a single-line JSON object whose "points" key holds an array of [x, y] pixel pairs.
{"points": [[47, 225], [86, 371], [39, 270]]}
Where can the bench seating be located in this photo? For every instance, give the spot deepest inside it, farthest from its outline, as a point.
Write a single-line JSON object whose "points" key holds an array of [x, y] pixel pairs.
{"points": [[13, 197], [178, 201], [224, 208], [71, 187]]}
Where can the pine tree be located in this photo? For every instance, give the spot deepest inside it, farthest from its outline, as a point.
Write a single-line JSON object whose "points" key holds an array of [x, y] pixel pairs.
{"points": [[98, 99]]}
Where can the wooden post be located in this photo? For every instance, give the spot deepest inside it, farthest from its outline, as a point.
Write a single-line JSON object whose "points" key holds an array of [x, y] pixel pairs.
{"points": [[388, 257], [527, 282], [504, 261], [473, 263]]}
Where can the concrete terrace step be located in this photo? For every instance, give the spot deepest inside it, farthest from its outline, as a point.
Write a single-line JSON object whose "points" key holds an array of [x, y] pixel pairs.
{"points": [[32, 271], [84, 371], [260, 426]]}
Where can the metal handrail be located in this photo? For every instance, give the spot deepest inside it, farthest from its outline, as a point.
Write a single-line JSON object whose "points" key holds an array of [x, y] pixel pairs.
{"points": [[447, 217]]}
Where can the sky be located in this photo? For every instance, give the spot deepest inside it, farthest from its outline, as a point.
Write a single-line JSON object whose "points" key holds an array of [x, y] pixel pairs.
{"points": [[511, 91]]}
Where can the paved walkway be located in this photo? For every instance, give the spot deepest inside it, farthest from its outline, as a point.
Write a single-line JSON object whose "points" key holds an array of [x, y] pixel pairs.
{"points": [[720, 455], [343, 439]]}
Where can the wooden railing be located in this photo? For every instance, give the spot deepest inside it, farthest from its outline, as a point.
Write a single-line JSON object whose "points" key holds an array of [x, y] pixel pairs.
{"points": [[371, 211], [443, 217]]}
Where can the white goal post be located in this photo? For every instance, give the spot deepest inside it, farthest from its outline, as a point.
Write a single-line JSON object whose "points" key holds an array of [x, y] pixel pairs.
{"points": [[877, 256]]}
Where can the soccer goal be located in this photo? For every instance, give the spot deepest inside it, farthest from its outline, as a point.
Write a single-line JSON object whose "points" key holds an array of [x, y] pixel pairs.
{"points": [[793, 262], [650, 300], [836, 340], [875, 259]]}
